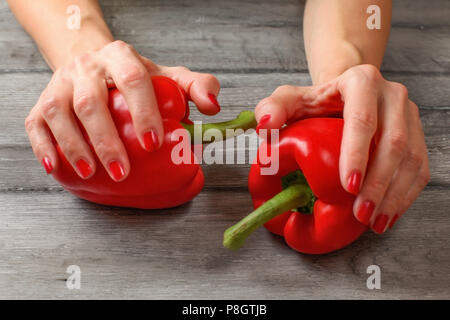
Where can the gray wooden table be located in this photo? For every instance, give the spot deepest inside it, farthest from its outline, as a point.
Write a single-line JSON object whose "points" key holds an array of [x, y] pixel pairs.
{"points": [[252, 47]]}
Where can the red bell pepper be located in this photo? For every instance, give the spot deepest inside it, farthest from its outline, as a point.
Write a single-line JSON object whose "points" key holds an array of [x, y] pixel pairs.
{"points": [[154, 181], [313, 212]]}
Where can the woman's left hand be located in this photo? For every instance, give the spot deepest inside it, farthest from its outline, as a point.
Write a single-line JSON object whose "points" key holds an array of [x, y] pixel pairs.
{"points": [[373, 109]]}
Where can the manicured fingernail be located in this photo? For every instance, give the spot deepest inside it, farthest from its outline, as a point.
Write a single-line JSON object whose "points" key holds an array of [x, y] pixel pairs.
{"points": [[214, 101], [365, 212], [47, 164], [84, 168], [380, 223], [151, 141], [353, 182], [394, 219], [262, 122], [116, 169]]}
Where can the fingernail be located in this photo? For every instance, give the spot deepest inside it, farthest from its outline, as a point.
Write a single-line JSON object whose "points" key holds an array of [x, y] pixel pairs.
{"points": [[151, 141], [84, 168], [262, 122], [117, 171], [365, 212], [394, 219], [380, 223], [353, 182], [214, 101], [47, 164]]}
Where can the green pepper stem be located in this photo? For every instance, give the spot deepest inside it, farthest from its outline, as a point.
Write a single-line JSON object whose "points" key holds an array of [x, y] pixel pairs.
{"points": [[245, 120], [296, 195]]}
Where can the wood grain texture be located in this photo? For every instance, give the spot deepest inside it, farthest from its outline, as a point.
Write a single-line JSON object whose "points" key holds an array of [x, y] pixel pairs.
{"points": [[260, 36], [177, 253]]}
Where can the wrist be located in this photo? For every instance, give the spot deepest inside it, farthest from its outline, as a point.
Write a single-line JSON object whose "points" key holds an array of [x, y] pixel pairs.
{"points": [[92, 36], [334, 61]]}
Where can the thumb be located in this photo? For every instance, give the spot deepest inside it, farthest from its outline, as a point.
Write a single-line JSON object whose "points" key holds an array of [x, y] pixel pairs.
{"points": [[290, 103]]}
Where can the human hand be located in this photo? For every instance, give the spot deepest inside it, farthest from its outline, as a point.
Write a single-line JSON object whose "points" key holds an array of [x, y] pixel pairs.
{"points": [[79, 91], [375, 111]]}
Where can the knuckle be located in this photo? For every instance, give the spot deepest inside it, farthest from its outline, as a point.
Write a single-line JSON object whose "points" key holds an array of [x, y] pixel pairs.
{"points": [[391, 203], [424, 177], [282, 90], [397, 142], [414, 109], [63, 74], [83, 59], [357, 155], [84, 62], [105, 148], [210, 79], [370, 72], [84, 104], [119, 45], [377, 187], [263, 104], [134, 75], [364, 120], [415, 114], [414, 159], [30, 123], [400, 90], [181, 69], [144, 118], [49, 107], [39, 147], [69, 147]]}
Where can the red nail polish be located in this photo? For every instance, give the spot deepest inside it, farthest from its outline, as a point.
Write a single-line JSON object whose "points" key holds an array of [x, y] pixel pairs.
{"points": [[262, 122], [214, 101], [365, 212], [380, 223], [353, 182], [394, 219], [84, 168], [117, 171], [151, 141], [47, 164]]}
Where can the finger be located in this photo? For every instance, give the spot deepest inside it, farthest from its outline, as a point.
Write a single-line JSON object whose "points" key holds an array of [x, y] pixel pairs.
{"points": [[387, 157], [408, 170], [360, 94], [280, 107], [54, 105], [41, 141], [133, 81], [201, 88], [419, 184], [90, 106], [290, 103]]}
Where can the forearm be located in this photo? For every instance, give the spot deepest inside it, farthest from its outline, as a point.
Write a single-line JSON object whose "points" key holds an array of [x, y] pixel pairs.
{"points": [[336, 36], [46, 22]]}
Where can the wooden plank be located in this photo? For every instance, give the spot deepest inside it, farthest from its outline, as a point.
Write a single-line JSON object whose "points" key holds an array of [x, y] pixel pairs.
{"points": [[257, 37], [177, 253]]}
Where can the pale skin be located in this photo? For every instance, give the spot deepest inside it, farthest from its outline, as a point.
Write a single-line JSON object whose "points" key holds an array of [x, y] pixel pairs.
{"points": [[344, 58]]}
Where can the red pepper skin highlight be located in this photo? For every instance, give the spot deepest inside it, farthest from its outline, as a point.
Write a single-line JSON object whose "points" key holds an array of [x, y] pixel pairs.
{"points": [[154, 180], [312, 146]]}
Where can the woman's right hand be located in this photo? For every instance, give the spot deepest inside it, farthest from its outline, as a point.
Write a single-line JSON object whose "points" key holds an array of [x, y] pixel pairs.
{"points": [[80, 90]]}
